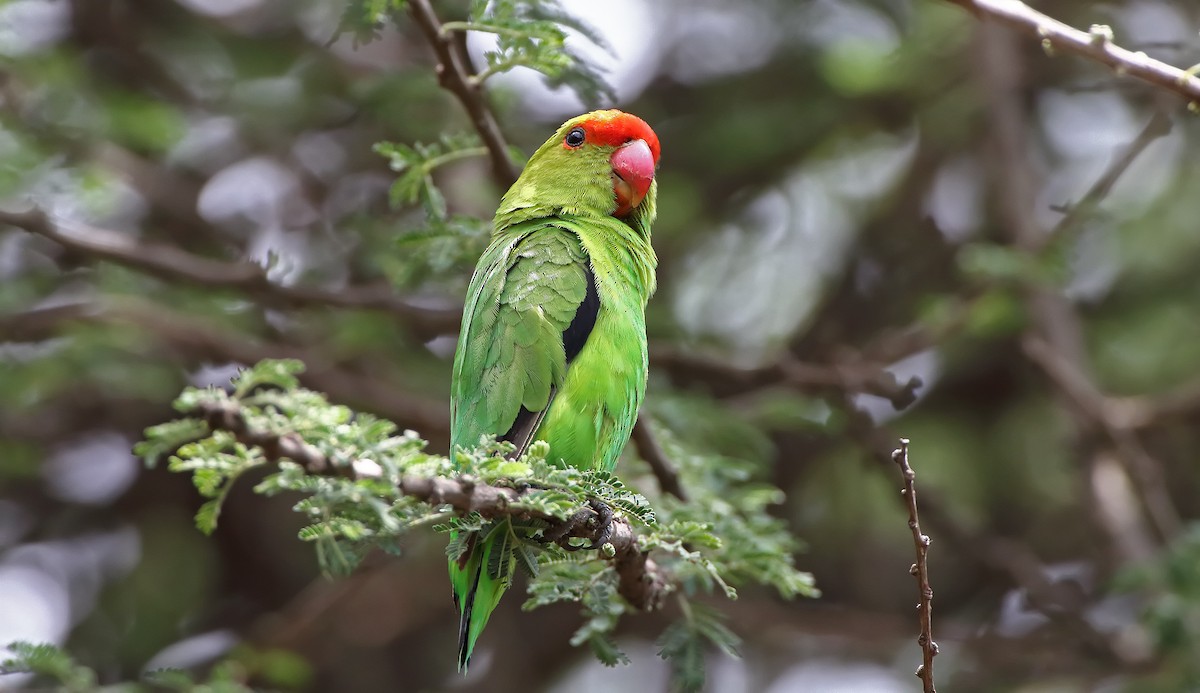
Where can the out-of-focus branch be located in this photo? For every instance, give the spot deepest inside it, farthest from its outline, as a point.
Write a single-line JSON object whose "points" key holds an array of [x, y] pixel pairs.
{"points": [[1158, 126], [1055, 340], [920, 569], [455, 77], [641, 582], [1094, 406], [196, 340], [173, 264], [1096, 44], [650, 451], [1145, 411], [870, 378]]}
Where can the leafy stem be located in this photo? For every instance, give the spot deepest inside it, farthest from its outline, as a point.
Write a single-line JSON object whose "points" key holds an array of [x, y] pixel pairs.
{"points": [[485, 27]]}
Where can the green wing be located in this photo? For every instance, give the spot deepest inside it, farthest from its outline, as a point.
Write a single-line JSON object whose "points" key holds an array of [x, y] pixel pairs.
{"points": [[511, 359], [527, 290]]}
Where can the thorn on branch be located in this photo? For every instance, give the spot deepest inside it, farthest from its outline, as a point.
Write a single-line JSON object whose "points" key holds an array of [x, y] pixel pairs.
{"points": [[1100, 33], [920, 569]]}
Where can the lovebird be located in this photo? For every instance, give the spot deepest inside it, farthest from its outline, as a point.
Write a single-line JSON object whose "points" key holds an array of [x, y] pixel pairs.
{"points": [[553, 338]]}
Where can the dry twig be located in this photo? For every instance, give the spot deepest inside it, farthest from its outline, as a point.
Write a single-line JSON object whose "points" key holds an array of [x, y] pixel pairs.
{"points": [[920, 569], [1012, 559], [1096, 44]]}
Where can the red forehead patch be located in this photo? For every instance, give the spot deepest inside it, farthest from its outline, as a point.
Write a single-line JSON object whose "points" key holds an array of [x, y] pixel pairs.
{"points": [[614, 128]]}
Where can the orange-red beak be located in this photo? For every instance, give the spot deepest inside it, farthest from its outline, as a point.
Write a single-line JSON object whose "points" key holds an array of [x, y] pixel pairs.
{"points": [[632, 174]]}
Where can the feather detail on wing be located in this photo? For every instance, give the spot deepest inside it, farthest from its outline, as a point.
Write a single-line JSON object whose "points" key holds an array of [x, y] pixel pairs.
{"points": [[532, 307]]}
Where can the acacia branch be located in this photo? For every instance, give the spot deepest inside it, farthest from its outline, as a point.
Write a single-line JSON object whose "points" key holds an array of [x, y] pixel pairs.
{"points": [[1096, 44], [454, 74], [172, 264], [920, 569], [640, 580]]}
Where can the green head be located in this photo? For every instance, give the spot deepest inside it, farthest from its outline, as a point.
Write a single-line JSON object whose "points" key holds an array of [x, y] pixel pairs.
{"points": [[598, 164]]}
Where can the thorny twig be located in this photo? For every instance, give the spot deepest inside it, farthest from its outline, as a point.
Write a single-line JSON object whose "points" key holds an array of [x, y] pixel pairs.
{"points": [[640, 580], [1012, 559], [920, 569], [1096, 44]]}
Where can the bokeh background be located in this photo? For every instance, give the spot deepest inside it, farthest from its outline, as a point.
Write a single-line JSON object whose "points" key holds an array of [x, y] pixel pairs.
{"points": [[878, 218]]}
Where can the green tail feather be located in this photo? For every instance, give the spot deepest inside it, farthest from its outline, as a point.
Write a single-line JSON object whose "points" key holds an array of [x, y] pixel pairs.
{"points": [[480, 576]]}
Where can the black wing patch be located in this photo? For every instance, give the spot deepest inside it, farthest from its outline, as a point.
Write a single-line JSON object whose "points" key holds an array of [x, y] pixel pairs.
{"points": [[576, 334], [574, 337]]}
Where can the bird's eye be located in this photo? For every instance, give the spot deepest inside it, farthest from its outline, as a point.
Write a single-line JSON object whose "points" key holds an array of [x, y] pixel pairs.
{"points": [[575, 137]]}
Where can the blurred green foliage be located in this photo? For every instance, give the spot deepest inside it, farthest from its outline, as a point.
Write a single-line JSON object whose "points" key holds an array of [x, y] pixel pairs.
{"points": [[842, 186]]}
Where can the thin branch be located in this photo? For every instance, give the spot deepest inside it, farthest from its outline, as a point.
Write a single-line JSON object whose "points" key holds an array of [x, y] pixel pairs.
{"points": [[870, 378], [455, 77], [1096, 44], [640, 580], [194, 340], [1014, 560], [1146, 411], [1158, 126], [650, 451], [1146, 472], [172, 264], [920, 569]]}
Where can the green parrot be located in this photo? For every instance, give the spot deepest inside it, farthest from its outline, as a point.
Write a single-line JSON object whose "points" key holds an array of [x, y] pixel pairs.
{"points": [[553, 338]]}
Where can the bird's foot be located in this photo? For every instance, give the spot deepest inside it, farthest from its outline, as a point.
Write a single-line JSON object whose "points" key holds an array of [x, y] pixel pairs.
{"points": [[560, 533], [604, 516], [598, 514]]}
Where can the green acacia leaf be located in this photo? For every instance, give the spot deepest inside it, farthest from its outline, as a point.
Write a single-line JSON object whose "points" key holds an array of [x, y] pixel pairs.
{"points": [[207, 516]]}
